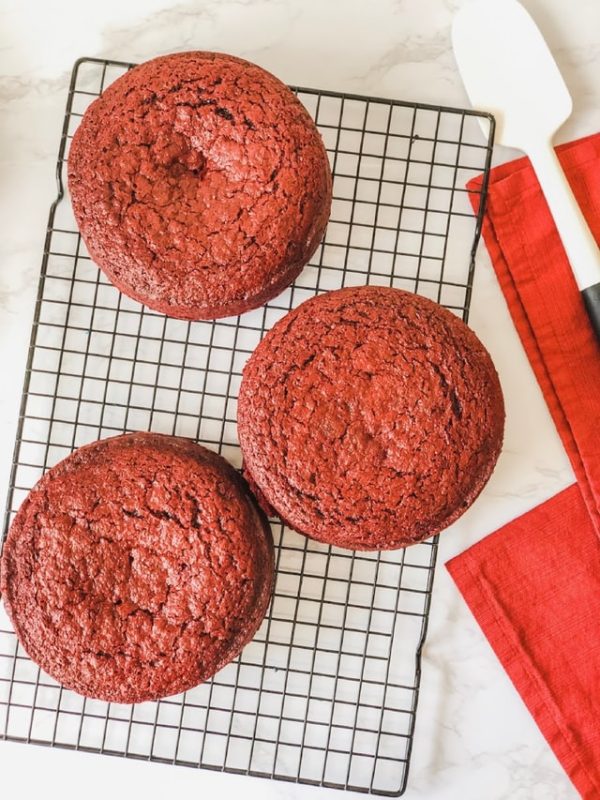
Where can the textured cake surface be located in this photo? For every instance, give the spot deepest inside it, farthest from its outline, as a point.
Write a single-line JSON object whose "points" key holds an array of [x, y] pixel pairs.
{"points": [[370, 418], [200, 184], [137, 567]]}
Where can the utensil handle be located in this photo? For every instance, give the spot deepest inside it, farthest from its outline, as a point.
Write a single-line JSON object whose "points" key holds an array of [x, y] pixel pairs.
{"points": [[580, 246], [591, 298]]}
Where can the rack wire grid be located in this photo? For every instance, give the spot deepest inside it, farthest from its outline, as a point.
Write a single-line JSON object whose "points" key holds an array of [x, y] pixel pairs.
{"points": [[327, 691]]}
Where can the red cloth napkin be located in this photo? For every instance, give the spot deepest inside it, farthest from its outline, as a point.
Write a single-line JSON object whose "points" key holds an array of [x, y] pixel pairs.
{"points": [[534, 585]]}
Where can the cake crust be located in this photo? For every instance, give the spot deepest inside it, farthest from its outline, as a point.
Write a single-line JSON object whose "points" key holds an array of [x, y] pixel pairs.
{"points": [[137, 568], [200, 184], [369, 418]]}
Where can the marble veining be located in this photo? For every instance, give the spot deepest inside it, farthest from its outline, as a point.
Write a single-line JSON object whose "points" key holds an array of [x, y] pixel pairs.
{"points": [[474, 739]]}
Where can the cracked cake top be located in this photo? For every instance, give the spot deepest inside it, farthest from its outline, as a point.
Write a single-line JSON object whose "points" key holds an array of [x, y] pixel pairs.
{"points": [[137, 567], [200, 184], [370, 418]]}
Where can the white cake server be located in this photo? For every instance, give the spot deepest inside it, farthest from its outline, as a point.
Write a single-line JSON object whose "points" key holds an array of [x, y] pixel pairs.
{"points": [[508, 70]]}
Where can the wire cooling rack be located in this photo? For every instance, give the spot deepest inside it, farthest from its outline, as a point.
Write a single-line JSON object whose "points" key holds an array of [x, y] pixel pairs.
{"points": [[327, 691]]}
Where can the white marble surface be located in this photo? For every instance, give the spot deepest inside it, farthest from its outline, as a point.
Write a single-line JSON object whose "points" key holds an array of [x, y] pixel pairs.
{"points": [[474, 740]]}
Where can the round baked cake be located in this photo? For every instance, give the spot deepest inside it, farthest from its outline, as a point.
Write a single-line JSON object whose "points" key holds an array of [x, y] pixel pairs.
{"points": [[200, 184], [137, 567], [369, 418]]}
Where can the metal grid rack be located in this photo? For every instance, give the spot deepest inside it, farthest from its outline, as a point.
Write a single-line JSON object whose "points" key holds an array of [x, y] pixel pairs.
{"points": [[327, 691]]}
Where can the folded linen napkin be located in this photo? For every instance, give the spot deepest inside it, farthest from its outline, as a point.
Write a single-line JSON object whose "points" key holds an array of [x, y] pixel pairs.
{"points": [[534, 585]]}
